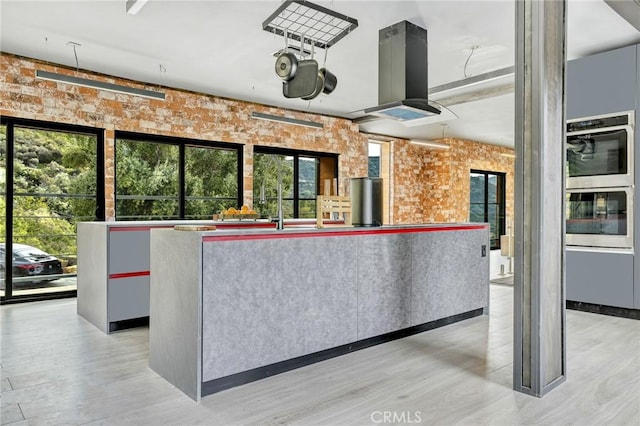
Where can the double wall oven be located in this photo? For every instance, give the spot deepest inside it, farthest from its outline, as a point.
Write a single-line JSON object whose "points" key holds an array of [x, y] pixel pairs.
{"points": [[600, 179]]}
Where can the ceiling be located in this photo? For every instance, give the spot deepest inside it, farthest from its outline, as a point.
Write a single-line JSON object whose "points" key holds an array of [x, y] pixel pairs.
{"points": [[219, 48]]}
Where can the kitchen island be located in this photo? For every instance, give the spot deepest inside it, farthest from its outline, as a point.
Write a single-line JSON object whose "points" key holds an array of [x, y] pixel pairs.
{"points": [[229, 307], [113, 267]]}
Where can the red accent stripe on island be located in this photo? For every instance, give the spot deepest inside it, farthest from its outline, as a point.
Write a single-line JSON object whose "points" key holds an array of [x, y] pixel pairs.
{"points": [[218, 225], [242, 225], [212, 238], [136, 228], [129, 275]]}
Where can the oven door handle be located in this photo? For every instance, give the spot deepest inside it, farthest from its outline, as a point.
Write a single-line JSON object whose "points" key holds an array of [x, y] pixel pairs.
{"points": [[626, 127]]}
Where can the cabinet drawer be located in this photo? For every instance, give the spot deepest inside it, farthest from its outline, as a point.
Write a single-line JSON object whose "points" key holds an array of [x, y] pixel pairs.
{"points": [[128, 298], [129, 251]]}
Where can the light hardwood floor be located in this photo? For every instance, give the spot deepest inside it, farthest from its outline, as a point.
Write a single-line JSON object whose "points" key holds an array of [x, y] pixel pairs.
{"points": [[59, 369]]}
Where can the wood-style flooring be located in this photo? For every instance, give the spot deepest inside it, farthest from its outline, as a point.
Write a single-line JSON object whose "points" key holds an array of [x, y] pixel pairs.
{"points": [[59, 369]]}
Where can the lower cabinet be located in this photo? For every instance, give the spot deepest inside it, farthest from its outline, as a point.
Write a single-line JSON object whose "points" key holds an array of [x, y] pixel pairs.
{"points": [[602, 278], [128, 298]]}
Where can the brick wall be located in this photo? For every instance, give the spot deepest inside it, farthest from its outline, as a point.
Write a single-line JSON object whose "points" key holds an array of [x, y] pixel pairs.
{"points": [[425, 185], [183, 113], [440, 177]]}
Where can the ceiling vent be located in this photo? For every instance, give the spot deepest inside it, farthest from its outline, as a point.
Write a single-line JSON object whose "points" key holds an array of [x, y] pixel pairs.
{"points": [[402, 74]]}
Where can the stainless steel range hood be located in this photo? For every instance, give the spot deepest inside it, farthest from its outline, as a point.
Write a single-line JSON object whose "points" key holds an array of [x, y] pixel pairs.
{"points": [[402, 73]]}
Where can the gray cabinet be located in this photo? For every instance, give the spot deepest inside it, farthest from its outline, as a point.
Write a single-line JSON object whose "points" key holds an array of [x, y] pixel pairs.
{"points": [[113, 273], [128, 298], [600, 278], [128, 272], [128, 250], [288, 298], [602, 83], [606, 83], [114, 270]]}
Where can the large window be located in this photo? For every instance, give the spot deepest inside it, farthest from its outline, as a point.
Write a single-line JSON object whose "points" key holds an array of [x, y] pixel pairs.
{"points": [[52, 178], [146, 180], [486, 202], [211, 180], [304, 176], [161, 178]]}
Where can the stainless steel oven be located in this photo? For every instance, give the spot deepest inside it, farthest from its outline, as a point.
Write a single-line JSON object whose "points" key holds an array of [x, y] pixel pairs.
{"points": [[600, 217], [600, 151]]}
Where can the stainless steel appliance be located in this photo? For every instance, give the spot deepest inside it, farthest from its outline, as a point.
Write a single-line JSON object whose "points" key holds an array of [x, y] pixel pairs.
{"points": [[600, 151], [366, 201], [600, 217]]}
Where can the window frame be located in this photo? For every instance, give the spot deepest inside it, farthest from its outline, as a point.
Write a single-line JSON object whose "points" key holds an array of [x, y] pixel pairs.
{"points": [[182, 144], [500, 202], [296, 154], [11, 123], [370, 157]]}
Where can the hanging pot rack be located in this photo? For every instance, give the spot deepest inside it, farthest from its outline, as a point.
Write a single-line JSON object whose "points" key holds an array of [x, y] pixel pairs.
{"points": [[309, 23]]}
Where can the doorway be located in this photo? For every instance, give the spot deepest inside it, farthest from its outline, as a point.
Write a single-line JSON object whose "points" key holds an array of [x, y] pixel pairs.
{"points": [[53, 178]]}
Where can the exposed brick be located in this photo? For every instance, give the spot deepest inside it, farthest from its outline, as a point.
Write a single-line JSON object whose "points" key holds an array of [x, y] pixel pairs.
{"points": [[425, 185], [440, 192]]}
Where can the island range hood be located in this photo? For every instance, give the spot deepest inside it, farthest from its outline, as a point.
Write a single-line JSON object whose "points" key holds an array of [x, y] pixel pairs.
{"points": [[402, 74]]}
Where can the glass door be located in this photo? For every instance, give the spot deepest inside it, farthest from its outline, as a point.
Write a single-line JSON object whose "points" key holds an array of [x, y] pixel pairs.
{"points": [[53, 184], [487, 202], [3, 206]]}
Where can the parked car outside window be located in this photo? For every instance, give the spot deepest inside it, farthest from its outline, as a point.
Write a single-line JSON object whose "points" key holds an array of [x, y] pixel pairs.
{"points": [[32, 262]]}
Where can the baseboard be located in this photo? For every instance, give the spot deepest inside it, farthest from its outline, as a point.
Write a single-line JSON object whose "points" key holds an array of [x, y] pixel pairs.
{"points": [[614, 311], [130, 323], [38, 297]]}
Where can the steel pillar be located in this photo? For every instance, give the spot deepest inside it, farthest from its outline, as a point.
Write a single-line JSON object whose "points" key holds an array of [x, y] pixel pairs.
{"points": [[539, 292]]}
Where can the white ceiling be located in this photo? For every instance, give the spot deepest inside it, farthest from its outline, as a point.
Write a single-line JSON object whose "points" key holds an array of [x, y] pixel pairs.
{"points": [[219, 48]]}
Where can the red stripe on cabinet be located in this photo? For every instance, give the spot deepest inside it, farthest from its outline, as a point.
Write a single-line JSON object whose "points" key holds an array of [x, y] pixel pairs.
{"points": [[242, 225], [136, 228], [218, 225], [129, 275], [213, 238]]}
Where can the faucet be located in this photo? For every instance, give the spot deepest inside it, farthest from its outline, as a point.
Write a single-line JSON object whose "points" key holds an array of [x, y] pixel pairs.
{"points": [[280, 220]]}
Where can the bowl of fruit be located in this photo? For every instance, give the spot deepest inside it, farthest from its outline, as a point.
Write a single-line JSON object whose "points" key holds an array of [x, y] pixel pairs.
{"points": [[244, 213]]}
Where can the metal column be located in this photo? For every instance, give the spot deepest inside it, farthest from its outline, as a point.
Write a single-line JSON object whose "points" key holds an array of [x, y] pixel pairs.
{"points": [[539, 314]]}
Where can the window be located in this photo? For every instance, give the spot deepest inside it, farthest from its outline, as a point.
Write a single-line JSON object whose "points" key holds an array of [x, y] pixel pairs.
{"points": [[486, 202], [301, 174], [3, 205], [379, 166], [211, 180], [308, 173], [146, 181], [52, 178], [162, 178], [374, 159]]}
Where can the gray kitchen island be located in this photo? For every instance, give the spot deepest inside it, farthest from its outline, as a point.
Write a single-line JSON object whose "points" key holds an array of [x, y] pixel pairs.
{"points": [[113, 267], [230, 307]]}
